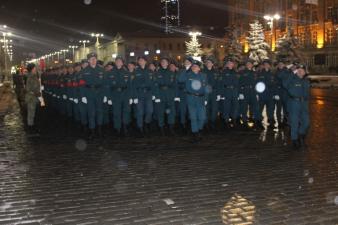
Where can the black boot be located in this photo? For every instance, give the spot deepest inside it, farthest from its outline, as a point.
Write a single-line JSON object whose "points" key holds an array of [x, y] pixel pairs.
{"points": [[140, 132], [100, 132], [295, 144], [126, 130], [196, 137], [91, 134], [259, 125], [272, 124], [30, 129], [147, 129], [172, 130], [162, 131], [280, 125], [302, 142]]}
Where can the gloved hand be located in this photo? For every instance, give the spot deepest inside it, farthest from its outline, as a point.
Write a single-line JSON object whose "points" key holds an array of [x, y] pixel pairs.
{"points": [[218, 98], [71, 99], [110, 102], [84, 100], [241, 97], [135, 100], [205, 102], [153, 98], [42, 88], [64, 97], [130, 101], [177, 99], [157, 100], [42, 101], [54, 95], [105, 99], [76, 100], [276, 97]]}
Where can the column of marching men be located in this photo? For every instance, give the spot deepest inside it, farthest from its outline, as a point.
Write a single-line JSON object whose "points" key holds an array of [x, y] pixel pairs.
{"points": [[142, 97]]}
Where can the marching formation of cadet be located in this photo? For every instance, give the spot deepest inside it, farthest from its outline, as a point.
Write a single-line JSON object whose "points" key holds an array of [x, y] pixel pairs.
{"points": [[141, 97]]}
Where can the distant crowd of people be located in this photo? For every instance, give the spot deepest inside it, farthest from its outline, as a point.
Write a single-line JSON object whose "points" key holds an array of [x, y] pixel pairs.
{"points": [[142, 96]]}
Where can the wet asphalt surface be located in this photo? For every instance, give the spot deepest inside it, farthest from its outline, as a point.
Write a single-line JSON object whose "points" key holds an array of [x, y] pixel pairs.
{"points": [[234, 177]]}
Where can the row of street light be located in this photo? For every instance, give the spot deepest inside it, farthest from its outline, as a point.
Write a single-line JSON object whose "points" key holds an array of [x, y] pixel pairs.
{"points": [[7, 47], [50, 56]]}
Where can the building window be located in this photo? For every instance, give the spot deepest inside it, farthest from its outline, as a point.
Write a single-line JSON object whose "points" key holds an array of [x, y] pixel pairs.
{"points": [[170, 46], [329, 13], [314, 38], [178, 46], [164, 46], [314, 17]]}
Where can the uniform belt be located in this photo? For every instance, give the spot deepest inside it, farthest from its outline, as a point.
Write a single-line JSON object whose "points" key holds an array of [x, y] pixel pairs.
{"points": [[93, 86], [247, 86], [164, 87], [143, 89], [119, 89], [195, 94], [300, 99], [230, 86]]}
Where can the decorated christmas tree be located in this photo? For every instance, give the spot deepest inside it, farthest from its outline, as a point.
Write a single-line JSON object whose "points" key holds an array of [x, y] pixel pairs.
{"points": [[233, 48], [258, 48], [287, 47], [193, 46]]}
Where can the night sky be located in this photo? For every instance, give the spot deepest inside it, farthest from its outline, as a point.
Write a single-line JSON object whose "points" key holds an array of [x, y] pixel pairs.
{"points": [[44, 26]]}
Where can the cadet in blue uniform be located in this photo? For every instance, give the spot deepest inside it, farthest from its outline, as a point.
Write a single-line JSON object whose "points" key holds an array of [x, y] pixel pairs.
{"points": [[229, 82], [69, 91], [92, 94], [248, 95], [265, 99], [281, 97], [213, 79], [298, 87], [165, 91], [196, 90], [76, 110], [143, 94], [131, 66], [82, 106], [107, 103], [119, 82], [181, 92]]}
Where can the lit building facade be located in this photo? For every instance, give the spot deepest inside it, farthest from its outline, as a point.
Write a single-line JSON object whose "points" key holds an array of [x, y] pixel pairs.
{"points": [[314, 22], [152, 44]]}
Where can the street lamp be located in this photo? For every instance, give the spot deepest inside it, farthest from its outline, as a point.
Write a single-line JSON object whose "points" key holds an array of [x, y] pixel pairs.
{"points": [[73, 47], [158, 51], [270, 20], [64, 55], [58, 54], [84, 47], [146, 52], [6, 34], [97, 35]]}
